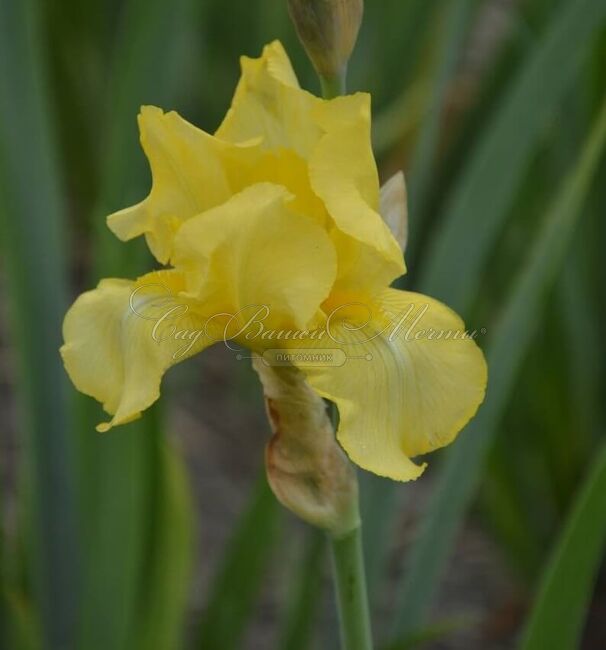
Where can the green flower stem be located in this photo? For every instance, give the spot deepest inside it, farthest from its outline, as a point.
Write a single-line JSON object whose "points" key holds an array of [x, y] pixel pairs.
{"points": [[348, 560], [352, 600], [333, 86]]}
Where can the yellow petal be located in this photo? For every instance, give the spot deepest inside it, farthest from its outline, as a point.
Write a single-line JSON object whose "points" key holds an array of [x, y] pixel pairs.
{"points": [[409, 385], [344, 175], [121, 337], [333, 136], [285, 167], [255, 250], [188, 177], [268, 103]]}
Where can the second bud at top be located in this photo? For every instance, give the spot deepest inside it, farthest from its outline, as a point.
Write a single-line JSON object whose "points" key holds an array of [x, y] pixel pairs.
{"points": [[328, 30]]}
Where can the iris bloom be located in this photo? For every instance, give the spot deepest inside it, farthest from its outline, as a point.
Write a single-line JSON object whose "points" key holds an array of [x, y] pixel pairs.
{"points": [[278, 211]]}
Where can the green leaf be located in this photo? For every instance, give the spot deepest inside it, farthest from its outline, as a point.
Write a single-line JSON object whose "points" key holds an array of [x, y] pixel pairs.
{"points": [[20, 629], [32, 222], [241, 573], [378, 500], [436, 632], [120, 473], [479, 206], [566, 587], [462, 470], [302, 607], [580, 315], [123, 476], [454, 27], [377, 497], [166, 588], [144, 72], [399, 31]]}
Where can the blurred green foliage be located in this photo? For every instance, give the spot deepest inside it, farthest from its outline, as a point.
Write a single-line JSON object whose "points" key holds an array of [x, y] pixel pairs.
{"points": [[492, 109]]}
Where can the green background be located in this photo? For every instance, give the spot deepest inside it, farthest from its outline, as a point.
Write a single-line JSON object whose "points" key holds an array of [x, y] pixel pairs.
{"points": [[163, 534]]}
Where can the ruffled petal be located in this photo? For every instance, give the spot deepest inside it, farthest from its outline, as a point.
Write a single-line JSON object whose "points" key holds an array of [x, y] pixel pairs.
{"points": [[332, 137], [343, 174], [121, 337], [256, 250], [189, 175], [269, 103], [410, 383]]}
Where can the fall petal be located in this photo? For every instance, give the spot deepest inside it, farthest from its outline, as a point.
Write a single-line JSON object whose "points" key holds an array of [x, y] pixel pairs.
{"points": [[409, 385], [121, 337]]}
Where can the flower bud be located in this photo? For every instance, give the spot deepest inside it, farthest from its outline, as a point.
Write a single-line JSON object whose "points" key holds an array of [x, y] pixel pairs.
{"points": [[328, 30], [306, 468]]}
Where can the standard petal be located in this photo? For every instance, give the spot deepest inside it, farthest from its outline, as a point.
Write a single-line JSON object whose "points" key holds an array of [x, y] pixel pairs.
{"points": [[269, 103], [121, 337], [188, 176], [256, 250], [330, 140], [411, 381], [343, 174]]}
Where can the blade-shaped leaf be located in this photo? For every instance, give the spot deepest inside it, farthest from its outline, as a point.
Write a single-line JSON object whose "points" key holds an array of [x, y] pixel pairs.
{"points": [[378, 495], [306, 590], [461, 472], [478, 207], [241, 572], [166, 589], [124, 476], [567, 583], [455, 23], [32, 221]]}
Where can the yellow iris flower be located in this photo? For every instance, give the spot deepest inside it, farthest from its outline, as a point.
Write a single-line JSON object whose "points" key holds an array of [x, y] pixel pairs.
{"points": [[277, 215]]}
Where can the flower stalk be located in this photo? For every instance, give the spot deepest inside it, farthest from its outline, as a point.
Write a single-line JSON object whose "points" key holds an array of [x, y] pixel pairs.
{"points": [[333, 86], [312, 477], [328, 30], [350, 583]]}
